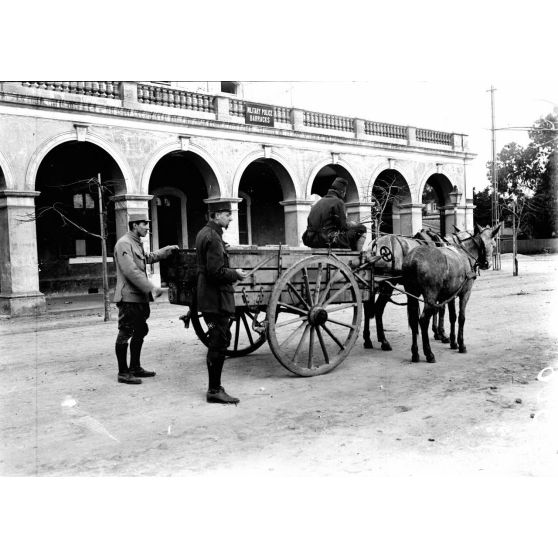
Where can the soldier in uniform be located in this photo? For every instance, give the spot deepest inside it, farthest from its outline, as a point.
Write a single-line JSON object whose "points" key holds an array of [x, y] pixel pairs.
{"points": [[328, 225], [215, 295], [132, 295]]}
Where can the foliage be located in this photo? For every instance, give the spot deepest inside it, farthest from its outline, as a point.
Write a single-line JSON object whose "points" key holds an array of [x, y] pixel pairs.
{"points": [[528, 181]]}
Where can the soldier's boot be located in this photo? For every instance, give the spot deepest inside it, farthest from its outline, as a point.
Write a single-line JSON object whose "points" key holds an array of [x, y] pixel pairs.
{"points": [[135, 366], [124, 374], [217, 394], [221, 396]]}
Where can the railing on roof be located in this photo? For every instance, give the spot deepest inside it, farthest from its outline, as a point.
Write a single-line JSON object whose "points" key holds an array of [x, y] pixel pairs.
{"points": [[175, 98], [107, 89], [223, 107]]}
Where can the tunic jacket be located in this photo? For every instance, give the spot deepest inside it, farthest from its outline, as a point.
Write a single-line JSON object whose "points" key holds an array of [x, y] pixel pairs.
{"points": [[215, 291], [132, 284], [326, 216]]}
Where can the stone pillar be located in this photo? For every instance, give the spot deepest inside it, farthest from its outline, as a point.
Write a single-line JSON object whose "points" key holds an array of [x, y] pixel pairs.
{"points": [[124, 205], [361, 211], [222, 106], [411, 135], [358, 125], [296, 220], [468, 223], [410, 215], [19, 269], [297, 119], [129, 93], [230, 235]]}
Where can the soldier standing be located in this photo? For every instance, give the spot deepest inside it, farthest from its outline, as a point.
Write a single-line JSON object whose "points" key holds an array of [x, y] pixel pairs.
{"points": [[215, 295], [132, 295]]}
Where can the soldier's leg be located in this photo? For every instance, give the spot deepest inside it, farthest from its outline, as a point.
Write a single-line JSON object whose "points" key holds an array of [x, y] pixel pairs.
{"points": [[125, 331], [219, 338], [141, 329]]}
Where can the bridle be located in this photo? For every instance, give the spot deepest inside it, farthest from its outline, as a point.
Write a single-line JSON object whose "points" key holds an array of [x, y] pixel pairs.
{"points": [[480, 261]]}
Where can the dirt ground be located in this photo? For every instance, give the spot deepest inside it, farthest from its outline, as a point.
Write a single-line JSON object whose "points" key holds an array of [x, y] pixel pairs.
{"points": [[487, 412]]}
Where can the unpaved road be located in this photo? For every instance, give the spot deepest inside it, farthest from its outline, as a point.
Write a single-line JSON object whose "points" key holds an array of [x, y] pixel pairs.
{"points": [[484, 412]]}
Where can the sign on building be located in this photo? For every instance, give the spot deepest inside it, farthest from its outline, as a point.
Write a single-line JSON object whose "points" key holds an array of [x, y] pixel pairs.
{"points": [[262, 115]]}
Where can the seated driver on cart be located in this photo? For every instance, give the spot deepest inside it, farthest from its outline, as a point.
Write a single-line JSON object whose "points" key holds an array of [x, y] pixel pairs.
{"points": [[327, 223]]}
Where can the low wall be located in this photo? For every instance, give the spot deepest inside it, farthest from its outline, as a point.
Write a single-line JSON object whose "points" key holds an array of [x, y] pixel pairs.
{"points": [[530, 246]]}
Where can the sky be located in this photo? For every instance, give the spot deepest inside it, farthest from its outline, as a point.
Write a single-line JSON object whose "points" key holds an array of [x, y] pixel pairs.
{"points": [[462, 106]]}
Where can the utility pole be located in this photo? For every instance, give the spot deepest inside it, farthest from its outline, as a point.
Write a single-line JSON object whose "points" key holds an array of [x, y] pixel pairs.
{"points": [[496, 261], [103, 248]]}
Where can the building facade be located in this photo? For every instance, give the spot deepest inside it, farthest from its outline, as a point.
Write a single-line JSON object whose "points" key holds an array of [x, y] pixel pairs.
{"points": [[68, 148]]}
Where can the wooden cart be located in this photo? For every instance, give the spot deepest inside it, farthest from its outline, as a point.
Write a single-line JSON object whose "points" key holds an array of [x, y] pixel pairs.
{"points": [[307, 303]]}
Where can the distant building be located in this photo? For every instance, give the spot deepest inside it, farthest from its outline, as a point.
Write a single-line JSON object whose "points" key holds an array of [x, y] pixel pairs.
{"points": [[168, 147]]}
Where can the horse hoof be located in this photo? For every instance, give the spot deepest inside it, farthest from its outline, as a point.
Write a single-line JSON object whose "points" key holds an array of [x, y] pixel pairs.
{"points": [[436, 337], [453, 346], [386, 347], [430, 358], [368, 345], [415, 358], [445, 340], [462, 349]]}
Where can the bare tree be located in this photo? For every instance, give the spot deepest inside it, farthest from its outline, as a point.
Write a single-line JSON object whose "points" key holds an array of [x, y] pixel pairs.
{"points": [[383, 195]]}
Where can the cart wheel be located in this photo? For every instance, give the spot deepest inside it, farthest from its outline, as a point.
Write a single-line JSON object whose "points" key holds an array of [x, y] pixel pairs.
{"points": [[314, 315], [244, 340]]}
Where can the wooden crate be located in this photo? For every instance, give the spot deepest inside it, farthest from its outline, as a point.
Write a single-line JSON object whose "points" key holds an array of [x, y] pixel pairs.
{"points": [[255, 290]]}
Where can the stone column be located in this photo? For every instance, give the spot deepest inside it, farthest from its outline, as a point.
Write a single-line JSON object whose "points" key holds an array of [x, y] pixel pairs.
{"points": [[468, 224], [19, 269], [296, 220], [230, 235], [360, 211], [124, 205], [358, 125], [222, 108], [410, 215], [297, 119]]}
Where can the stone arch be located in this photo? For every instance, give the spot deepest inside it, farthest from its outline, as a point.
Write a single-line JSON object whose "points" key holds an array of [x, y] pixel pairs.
{"points": [[393, 166], [434, 193], [444, 178], [354, 192], [286, 174], [393, 209], [50, 144], [6, 172], [215, 184]]}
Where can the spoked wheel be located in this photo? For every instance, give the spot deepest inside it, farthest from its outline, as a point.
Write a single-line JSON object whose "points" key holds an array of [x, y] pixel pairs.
{"points": [[244, 340], [314, 315]]}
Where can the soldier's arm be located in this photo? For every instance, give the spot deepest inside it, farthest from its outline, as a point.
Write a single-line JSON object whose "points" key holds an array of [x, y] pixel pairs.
{"points": [[215, 264], [339, 210], [161, 254], [125, 260]]}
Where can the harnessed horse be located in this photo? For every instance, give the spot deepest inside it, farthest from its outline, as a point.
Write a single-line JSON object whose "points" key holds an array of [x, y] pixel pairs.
{"points": [[398, 247], [440, 274]]}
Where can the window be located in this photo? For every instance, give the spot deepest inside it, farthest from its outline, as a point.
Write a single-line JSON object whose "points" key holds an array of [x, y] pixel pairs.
{"points": [[80, 247], [83, 201], [229, 87]]}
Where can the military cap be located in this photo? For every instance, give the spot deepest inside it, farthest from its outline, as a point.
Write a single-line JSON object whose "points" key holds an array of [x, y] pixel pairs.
{"points": [[339, 184], [137, 217], [216, 206]]}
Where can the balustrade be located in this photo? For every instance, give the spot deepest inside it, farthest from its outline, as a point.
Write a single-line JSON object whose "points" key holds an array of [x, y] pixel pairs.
{"points": [[432, 136], [105, 89], [152, 93], [328, 121], [175, 98], [385, 130]]}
